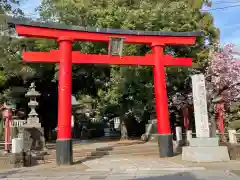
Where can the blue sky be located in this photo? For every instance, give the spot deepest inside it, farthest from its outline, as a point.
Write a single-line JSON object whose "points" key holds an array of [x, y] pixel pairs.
{"points": [[225, 19], [29, 6]]}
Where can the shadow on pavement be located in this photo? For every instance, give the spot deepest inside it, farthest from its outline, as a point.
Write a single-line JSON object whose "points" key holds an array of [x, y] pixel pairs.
{"points": [[8, 173], [178, 176], [99, 153]]}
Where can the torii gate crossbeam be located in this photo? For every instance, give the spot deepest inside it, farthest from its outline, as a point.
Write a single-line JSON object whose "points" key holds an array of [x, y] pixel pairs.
{"points": [[79, 58]]}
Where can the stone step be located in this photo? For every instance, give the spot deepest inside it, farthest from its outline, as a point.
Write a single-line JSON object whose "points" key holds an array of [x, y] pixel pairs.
{"points": [[126, 148], [113, 150], [51, 159], [96, 151], [122, 153], [105, 153], [136, 146], [108, 153]]}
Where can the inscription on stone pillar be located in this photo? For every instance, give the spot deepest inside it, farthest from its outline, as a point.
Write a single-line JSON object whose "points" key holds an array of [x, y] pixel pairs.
{"points": [[200, 105]]}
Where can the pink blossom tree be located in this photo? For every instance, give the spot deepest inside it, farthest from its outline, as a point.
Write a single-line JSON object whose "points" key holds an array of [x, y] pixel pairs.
{"points": [[222, 81], [225, 71]]}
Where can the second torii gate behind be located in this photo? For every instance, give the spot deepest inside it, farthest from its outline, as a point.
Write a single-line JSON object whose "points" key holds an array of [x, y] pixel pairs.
{"points": [[66, 35]]}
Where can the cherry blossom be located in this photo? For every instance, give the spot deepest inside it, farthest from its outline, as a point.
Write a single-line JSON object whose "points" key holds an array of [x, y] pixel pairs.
{"points": [[224, 70]]}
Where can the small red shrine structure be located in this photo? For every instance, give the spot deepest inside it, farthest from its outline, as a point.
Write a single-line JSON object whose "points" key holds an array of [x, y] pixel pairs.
{"points": [[66, 35]]}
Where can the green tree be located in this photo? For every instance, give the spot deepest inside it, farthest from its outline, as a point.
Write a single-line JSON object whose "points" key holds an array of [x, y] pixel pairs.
{"points": [[6, 7], [131, 88]]}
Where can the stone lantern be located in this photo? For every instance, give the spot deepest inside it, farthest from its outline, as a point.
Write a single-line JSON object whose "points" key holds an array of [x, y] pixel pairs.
{"points": [[32, 132], [32, 94]]}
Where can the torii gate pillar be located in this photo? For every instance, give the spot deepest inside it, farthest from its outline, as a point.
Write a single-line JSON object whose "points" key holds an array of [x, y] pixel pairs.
{"points": [[163, 123], [64, 135]]}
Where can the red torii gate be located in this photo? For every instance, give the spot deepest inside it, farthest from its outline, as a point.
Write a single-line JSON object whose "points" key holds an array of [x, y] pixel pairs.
{"points": [[66, 35]]}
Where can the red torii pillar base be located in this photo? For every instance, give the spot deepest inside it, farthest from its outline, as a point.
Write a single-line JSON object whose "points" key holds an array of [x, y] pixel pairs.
{"points": [[64, 151], [163, 124], [165, 145]]}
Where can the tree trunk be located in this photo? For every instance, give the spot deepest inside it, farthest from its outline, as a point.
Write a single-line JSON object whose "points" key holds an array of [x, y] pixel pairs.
{"points": [[147, 134], [124, 133], [213, 125]]}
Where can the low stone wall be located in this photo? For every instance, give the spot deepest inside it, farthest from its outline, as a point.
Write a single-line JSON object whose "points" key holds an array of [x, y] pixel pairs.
{"points": [[17, 160], [24, 159]]}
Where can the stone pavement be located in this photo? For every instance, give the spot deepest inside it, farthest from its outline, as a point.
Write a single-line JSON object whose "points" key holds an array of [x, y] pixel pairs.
{"points": [[119, 168]]}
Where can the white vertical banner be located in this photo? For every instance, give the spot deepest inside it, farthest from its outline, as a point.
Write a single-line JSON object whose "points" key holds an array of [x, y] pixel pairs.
{"points": [[72, 121]]}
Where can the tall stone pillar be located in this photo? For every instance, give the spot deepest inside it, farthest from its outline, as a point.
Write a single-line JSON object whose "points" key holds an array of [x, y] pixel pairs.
{"points": [[203, 148]]}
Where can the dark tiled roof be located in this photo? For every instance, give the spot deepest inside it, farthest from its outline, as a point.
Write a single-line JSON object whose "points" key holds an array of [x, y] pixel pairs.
{"points": [[25, 22]]}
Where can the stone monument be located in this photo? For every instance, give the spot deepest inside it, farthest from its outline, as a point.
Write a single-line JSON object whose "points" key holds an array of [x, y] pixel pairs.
{"points": [[32, 132], [203, 148]]}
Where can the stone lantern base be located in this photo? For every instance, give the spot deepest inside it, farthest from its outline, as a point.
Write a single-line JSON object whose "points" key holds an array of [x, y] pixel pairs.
{"points": [[33, 135]]}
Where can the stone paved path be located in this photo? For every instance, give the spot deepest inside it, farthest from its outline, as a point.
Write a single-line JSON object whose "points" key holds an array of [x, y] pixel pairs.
{"points": [[119, 168]]}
